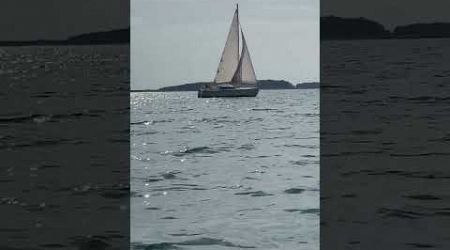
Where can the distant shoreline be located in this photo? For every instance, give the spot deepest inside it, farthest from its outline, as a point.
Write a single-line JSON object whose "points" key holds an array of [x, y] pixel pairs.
{"points": [[339, 28], [386, 39], [112, 37], [262, 84], [331, 28]]}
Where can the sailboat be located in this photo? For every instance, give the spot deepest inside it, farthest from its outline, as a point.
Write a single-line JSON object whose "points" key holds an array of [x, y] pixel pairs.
{"points": [[235, 76]]}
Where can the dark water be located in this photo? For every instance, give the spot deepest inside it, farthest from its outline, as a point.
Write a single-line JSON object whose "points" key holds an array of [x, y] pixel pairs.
{"points": [[385, 119], [225, 173], [64, 147]]}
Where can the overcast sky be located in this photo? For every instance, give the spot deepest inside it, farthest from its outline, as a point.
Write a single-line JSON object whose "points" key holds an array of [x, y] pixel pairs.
{"points": [[58, 19], [181, 41]]}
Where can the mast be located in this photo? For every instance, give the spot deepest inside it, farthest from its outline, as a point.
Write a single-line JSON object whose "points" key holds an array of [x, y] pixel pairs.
{"points": [[238, 56], [237, 15]]}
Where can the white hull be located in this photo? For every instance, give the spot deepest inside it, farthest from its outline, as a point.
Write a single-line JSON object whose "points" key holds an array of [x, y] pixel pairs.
{"points": [[237, 92]]}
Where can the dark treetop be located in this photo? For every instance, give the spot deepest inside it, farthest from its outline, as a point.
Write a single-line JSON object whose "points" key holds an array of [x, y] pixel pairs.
{"points": [[338, 28], [332, 27], [119, 36]]}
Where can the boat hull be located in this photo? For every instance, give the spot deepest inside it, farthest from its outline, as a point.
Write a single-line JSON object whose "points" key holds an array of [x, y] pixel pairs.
{"points": [[238, 92]]}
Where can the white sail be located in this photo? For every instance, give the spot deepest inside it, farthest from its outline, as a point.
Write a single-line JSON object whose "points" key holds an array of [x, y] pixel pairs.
{"points": [[230, 55], [233, 68], [245, 73]]}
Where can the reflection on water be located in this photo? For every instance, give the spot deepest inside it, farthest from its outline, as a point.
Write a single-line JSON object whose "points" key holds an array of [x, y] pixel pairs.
{"points": [[225, 173]]}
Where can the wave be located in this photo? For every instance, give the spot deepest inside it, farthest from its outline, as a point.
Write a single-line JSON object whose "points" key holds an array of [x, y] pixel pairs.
{"points": [[199, 150], [400, 213], [205, 241], [402, 173], [304, 211], [423, 197], [145, 122], [254, 193], [41, 143], [40, 118], [263, 109], [162, 189], [294, 190]]}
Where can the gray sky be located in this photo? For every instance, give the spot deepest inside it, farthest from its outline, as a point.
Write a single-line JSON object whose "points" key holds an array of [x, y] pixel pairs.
{"points": [[181, 41], [58, 19]]}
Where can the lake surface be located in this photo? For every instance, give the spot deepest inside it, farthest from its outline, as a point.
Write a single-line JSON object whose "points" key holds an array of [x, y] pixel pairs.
{"points": [[385, 119], [225, 173], [64, 147]]}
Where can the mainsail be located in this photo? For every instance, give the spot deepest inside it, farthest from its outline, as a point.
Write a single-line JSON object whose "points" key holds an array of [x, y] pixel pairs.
{"points": [[233, 68], [230, 55]]}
